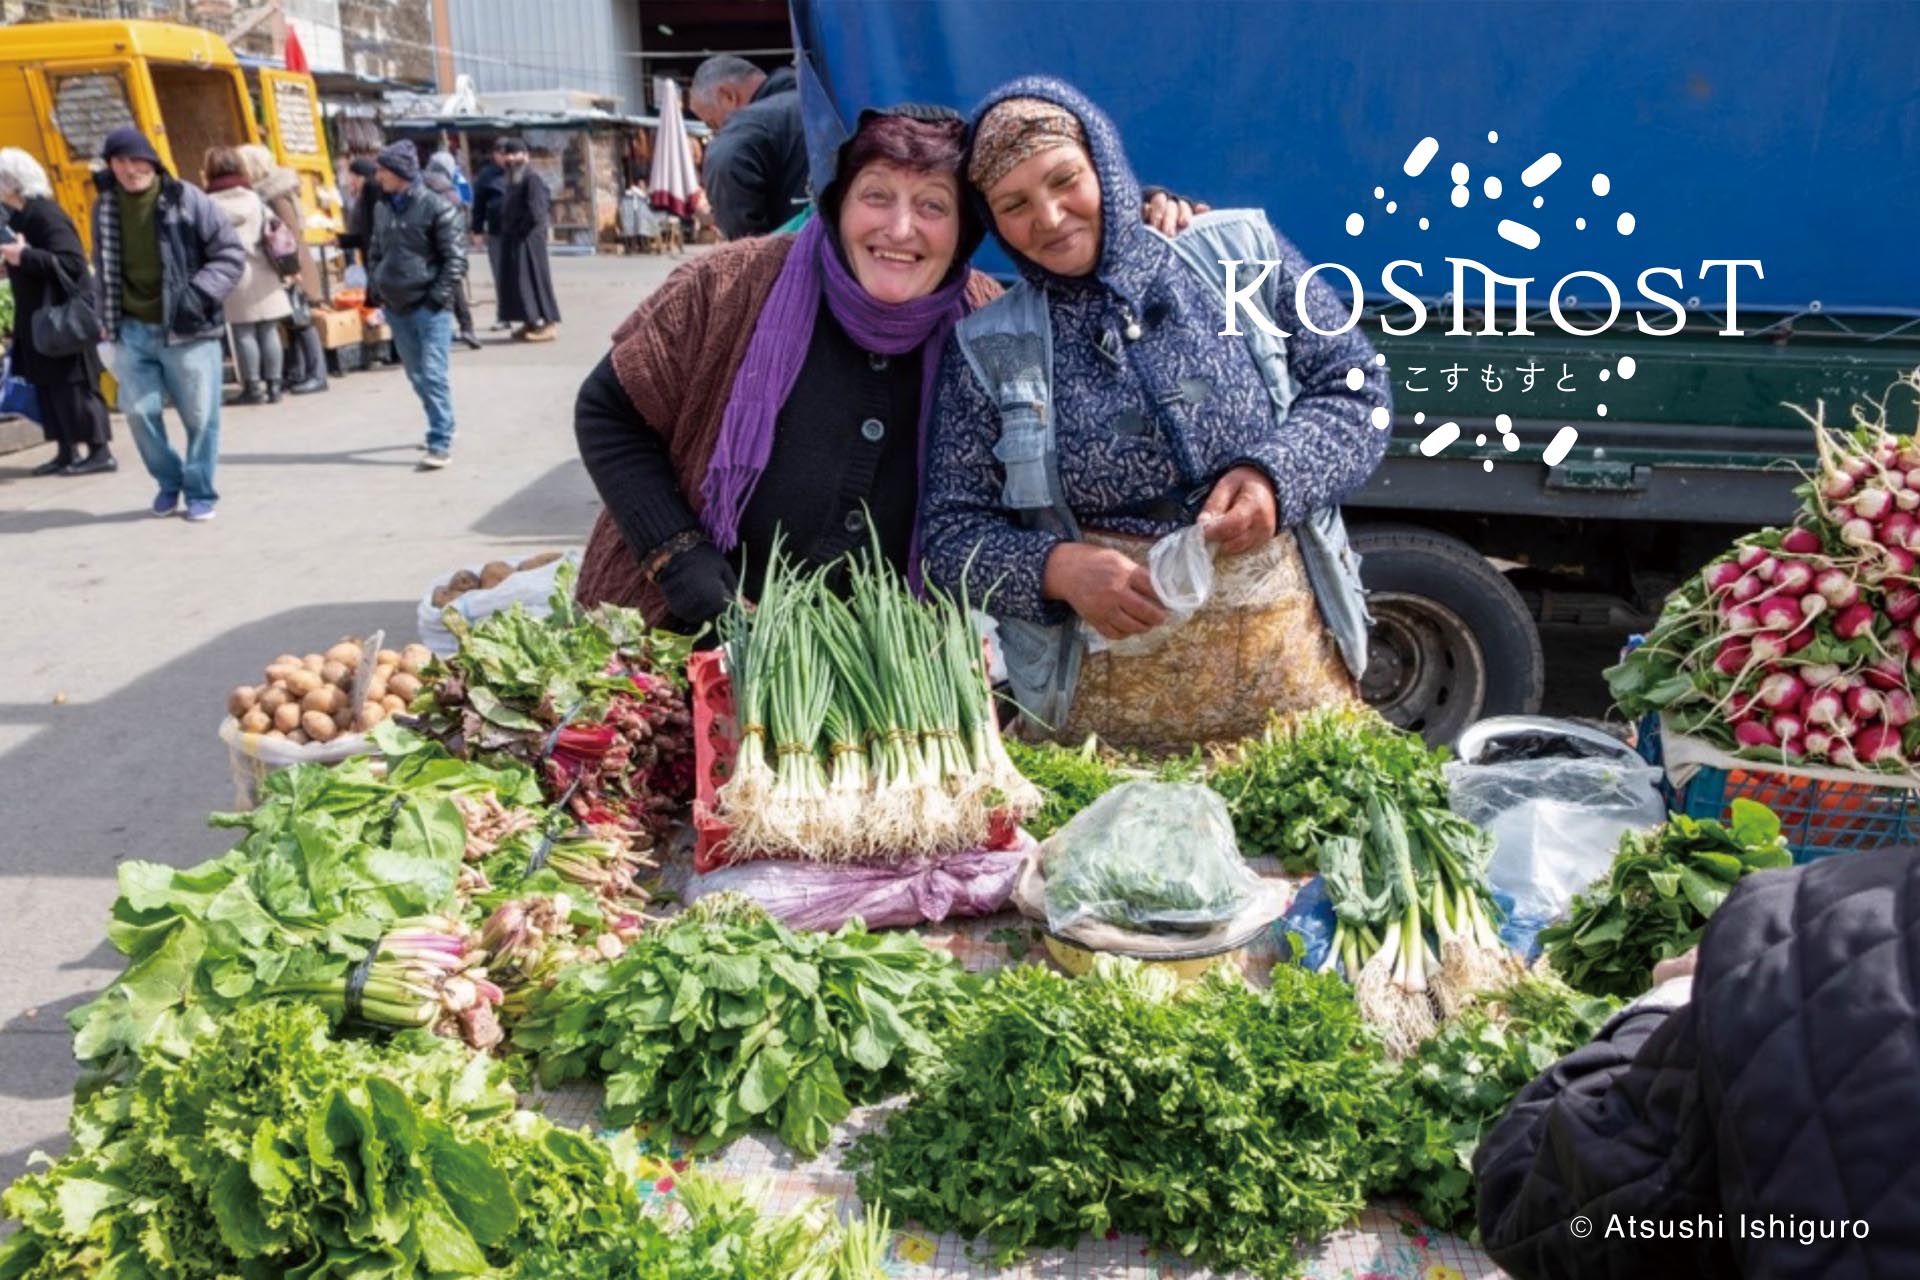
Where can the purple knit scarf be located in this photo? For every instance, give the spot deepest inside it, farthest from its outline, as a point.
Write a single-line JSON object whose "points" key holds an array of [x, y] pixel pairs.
{"points": [[778, 348]]}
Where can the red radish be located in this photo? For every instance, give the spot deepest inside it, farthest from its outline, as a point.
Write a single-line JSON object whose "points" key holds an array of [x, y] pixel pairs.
{"points": [[1887, 672], [1897, 530], [1792, 577], [1812, 606], [1894, 562], [1743, 619], [1822, 707], [1722, 576], [1800, 639], [1780, 615], [1840, 751], [1782, 691], [1863, 704], [1898, 708], [1894, 479], [1800, 541], [1786, 726], [1907, 500], [1817, 742], [1854, 621], [1747, 588], [1877, 744], [1769, 646], [1857, 533], [1856, 466], [1749, 557], [1838, 587], [1872, 504], [1906, 642], [1751, 733], [1836, 486], [1902, 603], [1911, 461], [1819, 675], [1793, 748], [1733, 657]]}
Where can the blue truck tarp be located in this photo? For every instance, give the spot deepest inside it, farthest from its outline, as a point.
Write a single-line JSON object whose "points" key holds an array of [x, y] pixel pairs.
{"points": [[1786, 132]]}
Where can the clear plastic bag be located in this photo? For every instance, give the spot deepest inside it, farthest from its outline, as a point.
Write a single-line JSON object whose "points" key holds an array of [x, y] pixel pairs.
{"points": [[1181, 565], [811, 895], [1556, 822], [531, 589], [1147, 856]]}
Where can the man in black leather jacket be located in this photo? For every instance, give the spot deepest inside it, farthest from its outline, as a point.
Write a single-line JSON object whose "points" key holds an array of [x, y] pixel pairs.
{"points": [[415, 265], [1757, 1114]]}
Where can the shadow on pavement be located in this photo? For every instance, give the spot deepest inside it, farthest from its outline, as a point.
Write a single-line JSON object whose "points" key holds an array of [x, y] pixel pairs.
{"points": [[65, 518], [100, 790], [560, 505], [343, 457]]}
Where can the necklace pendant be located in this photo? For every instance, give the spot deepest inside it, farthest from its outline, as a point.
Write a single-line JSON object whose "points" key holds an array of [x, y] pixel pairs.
{"points": [[1132, 331]]}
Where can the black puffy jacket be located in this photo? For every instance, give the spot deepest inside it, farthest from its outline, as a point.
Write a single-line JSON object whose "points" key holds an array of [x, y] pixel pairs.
{"points": [[417, 256], [1776, 1114]]}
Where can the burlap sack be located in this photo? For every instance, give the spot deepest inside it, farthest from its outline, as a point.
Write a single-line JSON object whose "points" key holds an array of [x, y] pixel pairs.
{"points": [[1257, 647]]}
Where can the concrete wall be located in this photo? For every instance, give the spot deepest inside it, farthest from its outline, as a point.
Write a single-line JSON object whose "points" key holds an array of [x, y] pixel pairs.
{"points": [[508, 45]]}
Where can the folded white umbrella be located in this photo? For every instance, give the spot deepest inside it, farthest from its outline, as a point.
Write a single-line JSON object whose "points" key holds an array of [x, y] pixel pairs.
{"points": [[673, 180]]}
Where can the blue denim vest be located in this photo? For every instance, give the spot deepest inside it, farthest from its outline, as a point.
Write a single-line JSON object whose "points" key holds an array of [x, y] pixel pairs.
{"points": [[1009, 346]]}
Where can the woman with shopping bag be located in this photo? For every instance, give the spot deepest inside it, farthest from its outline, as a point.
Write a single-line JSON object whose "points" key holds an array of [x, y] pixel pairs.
{"points": [[259, 302], [56, 327]]}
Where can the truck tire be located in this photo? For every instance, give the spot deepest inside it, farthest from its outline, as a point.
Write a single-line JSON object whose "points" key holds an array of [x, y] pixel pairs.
{"points": [[1452, 641]]}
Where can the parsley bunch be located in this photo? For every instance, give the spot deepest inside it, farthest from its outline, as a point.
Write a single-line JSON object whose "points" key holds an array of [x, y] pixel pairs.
{"points": [[1309, 777], [1222, 1123], [1462, 1079]]}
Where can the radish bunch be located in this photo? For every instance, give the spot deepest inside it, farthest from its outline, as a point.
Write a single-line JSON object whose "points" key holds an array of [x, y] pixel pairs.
{"points": [[1802, 644]]}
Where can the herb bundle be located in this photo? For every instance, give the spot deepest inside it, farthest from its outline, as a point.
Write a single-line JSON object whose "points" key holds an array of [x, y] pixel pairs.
{"points": [[724, 1019], [1463, 1079], [1655, 902], [1309, 777], [1222, 1123]]}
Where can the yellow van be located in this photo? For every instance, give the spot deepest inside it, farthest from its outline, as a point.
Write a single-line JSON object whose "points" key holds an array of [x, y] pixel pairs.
{"points": [[65, 85]]}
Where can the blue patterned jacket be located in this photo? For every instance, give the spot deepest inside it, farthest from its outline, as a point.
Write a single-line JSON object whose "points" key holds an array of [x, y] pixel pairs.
{"points": [[1157, 421]]}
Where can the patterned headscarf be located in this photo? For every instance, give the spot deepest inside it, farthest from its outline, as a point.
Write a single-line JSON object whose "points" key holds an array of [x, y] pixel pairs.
{"points": [[1015, 131]]}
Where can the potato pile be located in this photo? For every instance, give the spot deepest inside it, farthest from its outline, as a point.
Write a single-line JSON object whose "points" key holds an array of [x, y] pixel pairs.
{"points": [[310, 699], [491, 575]]}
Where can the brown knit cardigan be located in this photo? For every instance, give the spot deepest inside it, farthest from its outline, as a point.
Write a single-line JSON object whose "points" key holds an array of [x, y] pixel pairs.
{"points": [[676, 357]]}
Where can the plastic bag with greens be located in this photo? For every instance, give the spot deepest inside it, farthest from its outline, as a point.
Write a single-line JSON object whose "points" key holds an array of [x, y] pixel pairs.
{"points": [[1150, 856]]}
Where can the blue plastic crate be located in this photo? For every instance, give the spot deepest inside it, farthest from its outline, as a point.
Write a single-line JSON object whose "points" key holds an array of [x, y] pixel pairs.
{"points": [[1819, 818]]}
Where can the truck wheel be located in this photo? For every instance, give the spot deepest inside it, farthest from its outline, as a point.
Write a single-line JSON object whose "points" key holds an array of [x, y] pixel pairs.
{"points": [[1452, 641]]}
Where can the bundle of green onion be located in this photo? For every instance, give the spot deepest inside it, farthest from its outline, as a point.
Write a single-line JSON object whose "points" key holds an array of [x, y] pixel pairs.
{"points": [[866, 726]]}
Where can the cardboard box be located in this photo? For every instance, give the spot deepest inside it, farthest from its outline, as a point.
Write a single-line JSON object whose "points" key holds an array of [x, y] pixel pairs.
{"points": [[337, 328], [376, 333]]}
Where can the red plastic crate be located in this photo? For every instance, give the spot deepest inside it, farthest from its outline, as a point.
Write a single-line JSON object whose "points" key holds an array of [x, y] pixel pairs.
{"points": [[715, 744]]}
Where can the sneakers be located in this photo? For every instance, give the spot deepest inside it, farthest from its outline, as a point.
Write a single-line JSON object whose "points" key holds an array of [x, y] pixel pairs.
{"points": [[166, 503], [470, 339], [199, 511], [542, 333], [435, 459]]}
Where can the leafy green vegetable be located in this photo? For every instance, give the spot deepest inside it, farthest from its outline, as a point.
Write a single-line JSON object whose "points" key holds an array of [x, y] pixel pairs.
{"points": [[1462, 1079], [1150, 856], [271, 1148], [725, 1019], [1655, 902], [1222, 1123], [1071, 778], [1309, 777], [330, 858]]}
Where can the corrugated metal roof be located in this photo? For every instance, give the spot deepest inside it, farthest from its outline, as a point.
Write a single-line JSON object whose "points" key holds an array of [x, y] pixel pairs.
{"points": [[558, 44]]}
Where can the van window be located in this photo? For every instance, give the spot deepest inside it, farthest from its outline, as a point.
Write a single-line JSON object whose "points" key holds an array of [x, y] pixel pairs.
{"points": [[87, 106]]}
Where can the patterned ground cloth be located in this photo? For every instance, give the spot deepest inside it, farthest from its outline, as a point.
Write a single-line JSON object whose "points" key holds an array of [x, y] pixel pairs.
{"points": [[1388, 1242]]}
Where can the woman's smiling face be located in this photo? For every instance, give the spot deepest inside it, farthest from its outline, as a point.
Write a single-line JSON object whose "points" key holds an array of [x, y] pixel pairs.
{"points": [[1048, 209], [900, 229]]}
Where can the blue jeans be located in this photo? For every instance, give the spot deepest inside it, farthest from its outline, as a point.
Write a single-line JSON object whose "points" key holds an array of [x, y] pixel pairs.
{"points": [[423, 337], [149, 373]]}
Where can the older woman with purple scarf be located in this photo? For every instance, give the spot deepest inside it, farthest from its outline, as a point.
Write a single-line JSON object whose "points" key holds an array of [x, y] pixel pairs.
{"points": [[784, 382]]}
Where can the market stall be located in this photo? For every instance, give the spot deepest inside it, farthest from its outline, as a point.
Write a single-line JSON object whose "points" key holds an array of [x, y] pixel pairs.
{"points": [[800, 908]]}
